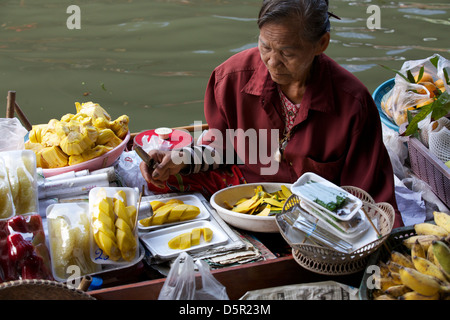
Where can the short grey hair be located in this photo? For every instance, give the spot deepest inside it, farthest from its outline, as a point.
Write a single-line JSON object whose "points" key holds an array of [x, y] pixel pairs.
{"points": [[311, 15]]}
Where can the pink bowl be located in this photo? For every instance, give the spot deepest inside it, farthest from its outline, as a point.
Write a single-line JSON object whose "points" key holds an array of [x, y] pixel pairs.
{"points": [[103, 161]]}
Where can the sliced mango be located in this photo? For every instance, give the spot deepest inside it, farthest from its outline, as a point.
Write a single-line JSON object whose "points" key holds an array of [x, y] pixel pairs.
{"points": [[126, 244], [190, 213], [122, 196], [109, 246], [195, 236], [188, 239], [156, 204], [176, 213]]}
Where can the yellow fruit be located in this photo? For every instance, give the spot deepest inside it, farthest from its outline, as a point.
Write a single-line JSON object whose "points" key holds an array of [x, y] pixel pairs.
{"points": [[131, 213], [92, 110], [185, 241], [417, 250], [190, 212], [426, 77], [195, 236], [176, 213], [413, 295], [397, 291], [122, 225], [156, 204], [424, 240], [127, 244], [427, 267], [430, 229], [109, 246], [419, 282], [442, 219], [120, 126], [207, 234], [401, 259], [52, 157]]}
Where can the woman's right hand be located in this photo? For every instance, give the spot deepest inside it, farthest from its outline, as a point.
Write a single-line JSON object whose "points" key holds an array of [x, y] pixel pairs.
{"points": [[163, 168]]}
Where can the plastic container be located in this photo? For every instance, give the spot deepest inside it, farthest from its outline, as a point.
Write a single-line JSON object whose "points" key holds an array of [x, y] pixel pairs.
{"points": [[301, 189], [187, 199], [430, 169], [177, 138], [378, 95], [95, 195], [157, 241], [6, 199], [103, 161], [69, 240], [21, 168]]}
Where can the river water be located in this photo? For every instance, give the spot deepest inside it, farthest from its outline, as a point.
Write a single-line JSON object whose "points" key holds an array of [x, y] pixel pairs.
{"points": [[152, 59]]}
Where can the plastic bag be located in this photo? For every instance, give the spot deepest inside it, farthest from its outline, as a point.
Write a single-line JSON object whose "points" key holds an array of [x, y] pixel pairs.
{"points": [[181, 283], [12, 134], [127, 168], [406, 96]]}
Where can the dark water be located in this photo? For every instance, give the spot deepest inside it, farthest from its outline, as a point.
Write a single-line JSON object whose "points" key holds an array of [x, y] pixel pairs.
{"points": [[152, 59]]}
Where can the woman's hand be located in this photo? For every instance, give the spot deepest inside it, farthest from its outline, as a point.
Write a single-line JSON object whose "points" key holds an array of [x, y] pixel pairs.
{"points": [[163, 168]]}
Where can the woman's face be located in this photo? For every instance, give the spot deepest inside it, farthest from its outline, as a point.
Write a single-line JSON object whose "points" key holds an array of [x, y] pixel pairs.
{"points": [[287, 57]]}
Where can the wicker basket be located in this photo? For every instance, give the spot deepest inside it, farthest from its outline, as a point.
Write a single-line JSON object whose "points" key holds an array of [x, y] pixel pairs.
{"points": [[393, 242], [40, 290], [329, 261], [430, 169]]}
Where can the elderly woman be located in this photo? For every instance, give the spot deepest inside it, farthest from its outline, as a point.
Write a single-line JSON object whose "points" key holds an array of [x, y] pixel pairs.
{"points": [[285, 108]]}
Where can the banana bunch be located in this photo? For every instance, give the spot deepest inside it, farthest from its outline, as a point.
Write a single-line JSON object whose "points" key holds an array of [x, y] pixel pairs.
{"points": [[423, 272], [113, 226], [76, 138]]}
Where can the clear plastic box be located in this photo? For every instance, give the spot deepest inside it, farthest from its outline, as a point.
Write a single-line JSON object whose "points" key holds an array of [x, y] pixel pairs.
{"points": [[95, 195], [21, 169]]}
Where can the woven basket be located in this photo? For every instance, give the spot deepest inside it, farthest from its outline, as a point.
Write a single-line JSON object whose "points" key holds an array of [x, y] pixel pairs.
{"points": [[40, 290], [329, 261]]}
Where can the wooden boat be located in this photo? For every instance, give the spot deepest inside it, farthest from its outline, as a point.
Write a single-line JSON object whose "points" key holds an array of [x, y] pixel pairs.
{"points": [[141, 282]]}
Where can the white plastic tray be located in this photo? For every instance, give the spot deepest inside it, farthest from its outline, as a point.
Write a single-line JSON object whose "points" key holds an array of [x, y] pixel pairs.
{"points": [[353, 204], [96, 253], [327, 223], [157, 241], [187, 199]]}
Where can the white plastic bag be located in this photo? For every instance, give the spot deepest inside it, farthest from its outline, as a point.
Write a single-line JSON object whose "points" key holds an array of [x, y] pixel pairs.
{"points": [[12, 134], [181, 283]]}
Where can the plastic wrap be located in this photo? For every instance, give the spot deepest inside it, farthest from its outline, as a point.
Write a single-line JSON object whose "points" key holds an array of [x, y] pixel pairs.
{"points": [[406, 95], [69, 238], [22, 178], [23, 250]]}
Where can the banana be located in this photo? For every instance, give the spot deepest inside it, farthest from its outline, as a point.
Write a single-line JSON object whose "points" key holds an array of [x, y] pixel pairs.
{"points": [[417, 250], [424, 240], [393, 266], [401, 259], [442, 219], [427, 267], [385, 297], [397, 291], [430, 255], [413, 295], [419, 282], [442, 253], [430, 229], [384, 270]]}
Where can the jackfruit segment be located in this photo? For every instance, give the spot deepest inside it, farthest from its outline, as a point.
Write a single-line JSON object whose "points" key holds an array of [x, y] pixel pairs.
{"points": [[83, 136], [52, 157], [113, 226], [174, 210], [188, 239]]}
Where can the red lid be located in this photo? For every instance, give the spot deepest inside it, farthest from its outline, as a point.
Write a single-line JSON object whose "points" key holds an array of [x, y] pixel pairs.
{"points": [[178, 138]]}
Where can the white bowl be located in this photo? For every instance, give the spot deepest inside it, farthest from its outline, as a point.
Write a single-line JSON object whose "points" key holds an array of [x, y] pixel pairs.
{"points": [[245, 221]]}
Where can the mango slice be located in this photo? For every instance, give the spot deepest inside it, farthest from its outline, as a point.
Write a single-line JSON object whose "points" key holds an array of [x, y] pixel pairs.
{"points": [[174, 210], [188, 239]]}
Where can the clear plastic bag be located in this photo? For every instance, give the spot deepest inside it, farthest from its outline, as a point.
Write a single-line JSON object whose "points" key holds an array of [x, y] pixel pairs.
{"points": [[12, 134], [406, 96], [181, 282]]}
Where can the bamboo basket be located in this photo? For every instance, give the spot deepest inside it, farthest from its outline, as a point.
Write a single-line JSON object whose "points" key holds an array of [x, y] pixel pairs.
{"points": [[40, 289], [328, 261]]}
